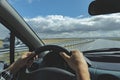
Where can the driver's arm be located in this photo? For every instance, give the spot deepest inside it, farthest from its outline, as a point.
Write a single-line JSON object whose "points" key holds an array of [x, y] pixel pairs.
{"points": [[24, 60], [77, 62]]}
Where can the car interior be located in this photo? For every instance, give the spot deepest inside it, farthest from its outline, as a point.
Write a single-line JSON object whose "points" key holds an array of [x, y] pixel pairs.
{"points": [[51, 66]]}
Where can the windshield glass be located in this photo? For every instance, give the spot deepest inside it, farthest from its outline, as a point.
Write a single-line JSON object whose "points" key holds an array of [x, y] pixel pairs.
{"points": [[68, 24]]}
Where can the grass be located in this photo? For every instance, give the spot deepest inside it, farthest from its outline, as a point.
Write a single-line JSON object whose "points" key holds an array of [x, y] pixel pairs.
{"points": [[1, 43], [71, 46], [55, 40]]}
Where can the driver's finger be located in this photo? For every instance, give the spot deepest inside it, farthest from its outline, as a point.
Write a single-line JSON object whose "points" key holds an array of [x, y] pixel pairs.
{"points": [[65, 56]]}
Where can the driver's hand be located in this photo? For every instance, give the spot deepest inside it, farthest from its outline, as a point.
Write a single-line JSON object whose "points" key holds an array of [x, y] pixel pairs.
{"points": [[25, 60], [77, 62]]}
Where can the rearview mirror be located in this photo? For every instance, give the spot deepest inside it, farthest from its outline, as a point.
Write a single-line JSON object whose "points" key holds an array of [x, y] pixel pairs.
{"points": [[99, 7]]}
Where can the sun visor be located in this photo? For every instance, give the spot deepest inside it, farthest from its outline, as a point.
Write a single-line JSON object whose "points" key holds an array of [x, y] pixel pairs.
{"points": [[99, 7]]}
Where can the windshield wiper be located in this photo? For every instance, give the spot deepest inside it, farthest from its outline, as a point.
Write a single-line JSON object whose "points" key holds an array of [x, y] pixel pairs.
{"points": [[102, 50]]}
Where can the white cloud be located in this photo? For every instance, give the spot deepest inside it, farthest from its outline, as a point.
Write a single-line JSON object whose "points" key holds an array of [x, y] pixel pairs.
{"points": [[63, 26]]}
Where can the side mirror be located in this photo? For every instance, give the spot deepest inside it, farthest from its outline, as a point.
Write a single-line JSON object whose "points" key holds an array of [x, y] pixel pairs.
{"points": [[99, 7]]}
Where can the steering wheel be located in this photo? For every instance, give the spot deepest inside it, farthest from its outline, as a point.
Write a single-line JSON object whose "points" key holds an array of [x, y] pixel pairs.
{"points": [[51, 57], [48, 71], [53, 48]]}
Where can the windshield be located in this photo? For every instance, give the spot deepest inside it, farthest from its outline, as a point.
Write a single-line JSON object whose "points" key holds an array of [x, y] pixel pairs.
{"points": [[68, 24]]}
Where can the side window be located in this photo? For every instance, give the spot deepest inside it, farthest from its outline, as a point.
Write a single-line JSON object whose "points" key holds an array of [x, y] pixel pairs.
{"points": [[4, 43], [20, 47]]}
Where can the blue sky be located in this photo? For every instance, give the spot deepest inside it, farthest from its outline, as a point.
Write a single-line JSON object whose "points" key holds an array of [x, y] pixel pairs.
{"points": [[33, 8], [66, 18]]}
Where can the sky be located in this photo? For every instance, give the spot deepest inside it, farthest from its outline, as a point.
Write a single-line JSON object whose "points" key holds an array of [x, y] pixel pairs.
{"points": [[66, 18], [33, 8]]}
